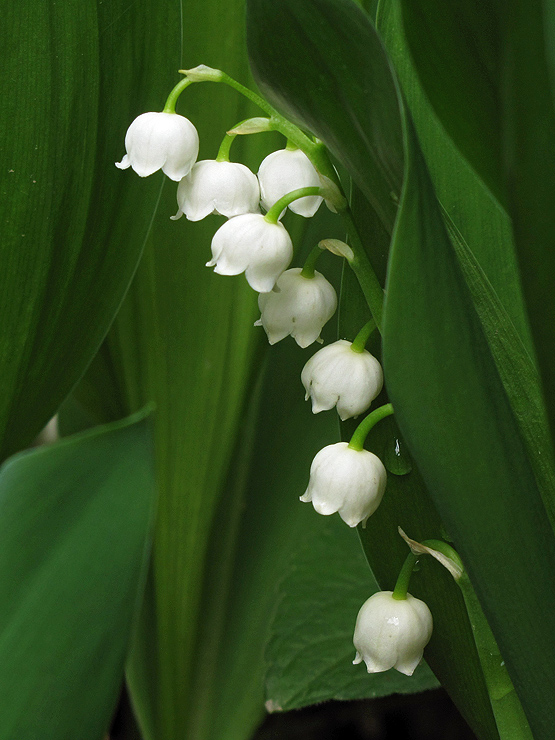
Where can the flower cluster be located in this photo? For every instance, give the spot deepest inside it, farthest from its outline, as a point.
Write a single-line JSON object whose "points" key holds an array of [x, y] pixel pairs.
{"points": [[249, 241], [392, 628]]}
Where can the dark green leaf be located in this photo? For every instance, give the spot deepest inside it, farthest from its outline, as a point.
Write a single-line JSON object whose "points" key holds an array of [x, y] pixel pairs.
{"points": [[459, 66], [75, 521], [324, 89], [529, 143], [453, 411], [481, 234]]}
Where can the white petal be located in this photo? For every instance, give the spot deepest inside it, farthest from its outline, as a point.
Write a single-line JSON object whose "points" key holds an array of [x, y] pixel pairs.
{"points": [[284, 171], [124, 164]]}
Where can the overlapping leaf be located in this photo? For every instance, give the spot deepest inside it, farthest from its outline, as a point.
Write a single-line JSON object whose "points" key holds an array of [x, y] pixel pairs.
{"points": [[75, 523], [408, 501], [439, 369], [67, 251], [517, 41]]}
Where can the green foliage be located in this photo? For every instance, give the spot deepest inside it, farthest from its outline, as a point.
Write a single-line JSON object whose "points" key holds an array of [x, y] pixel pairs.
{"points": [[68, 252], [311, 647], [83, 509], [428, 345], [250, 595]]}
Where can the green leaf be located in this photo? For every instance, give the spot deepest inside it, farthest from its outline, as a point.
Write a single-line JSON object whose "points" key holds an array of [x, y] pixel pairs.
{"points": [[314, 84], [75, 525], [310, 652], [453, 411], [529, 143], [459, 67], [479, 46], [481, 234], [73, 226], [452, 652]]}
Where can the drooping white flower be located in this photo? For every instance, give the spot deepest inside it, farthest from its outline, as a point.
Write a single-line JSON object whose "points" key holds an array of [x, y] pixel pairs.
{"points": [[392, 633], [287, 170], [227, 188], [252, 245], [351, 482], [164, 141], [338, 376], [297, 306]]}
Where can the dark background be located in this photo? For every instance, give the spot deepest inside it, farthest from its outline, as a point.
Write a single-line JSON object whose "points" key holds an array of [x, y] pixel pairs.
{"points": [[427, 716]]}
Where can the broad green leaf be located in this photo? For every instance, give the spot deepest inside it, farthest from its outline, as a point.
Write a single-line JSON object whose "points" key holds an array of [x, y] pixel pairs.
{"points": [[481, 234], [459, 66], [454, 414], [311, 648], [75, 525], [184, 339], [529, 143], [72, 225], [509, 50], [356, 115]]}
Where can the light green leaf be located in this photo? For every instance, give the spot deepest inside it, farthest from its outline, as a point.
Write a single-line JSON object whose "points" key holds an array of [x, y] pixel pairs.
{"points": [[75, 525], [72, 226]]}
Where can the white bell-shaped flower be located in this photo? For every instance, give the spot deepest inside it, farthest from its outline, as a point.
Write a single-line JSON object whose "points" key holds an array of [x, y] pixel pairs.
{"points": [[351, 482], [392, 633], [227, 188], [164, 141], [337, 375], [287, 170], [252, 245], [298, 306]]}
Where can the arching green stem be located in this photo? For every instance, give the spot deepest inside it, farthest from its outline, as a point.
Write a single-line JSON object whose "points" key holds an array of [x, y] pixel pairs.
{"points": [[367, 278], [359, 342], [403, 579], [225, 146], [361, 432], [308, 267], [317, 152], [275, 211], [174, 95]]}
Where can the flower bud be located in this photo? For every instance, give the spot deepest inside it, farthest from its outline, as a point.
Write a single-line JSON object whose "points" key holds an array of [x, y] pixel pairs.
{"points": [[298, 306], [392, 633], [351, 482], [252, 245], [160, 140], [287, 170], [338, 376], [227, 188]]}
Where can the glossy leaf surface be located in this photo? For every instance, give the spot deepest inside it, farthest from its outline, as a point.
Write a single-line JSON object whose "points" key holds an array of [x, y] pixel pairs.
{"points": [[75, 523], [439, 367], [521, 124]]}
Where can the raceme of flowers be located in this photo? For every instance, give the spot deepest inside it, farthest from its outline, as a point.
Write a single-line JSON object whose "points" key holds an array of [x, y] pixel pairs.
{"points": [[297, 302]]}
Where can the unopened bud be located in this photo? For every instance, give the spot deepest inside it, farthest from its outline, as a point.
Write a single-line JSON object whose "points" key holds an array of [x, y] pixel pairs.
{"points": [[251, 126], [202, 73], [337, 247]]}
